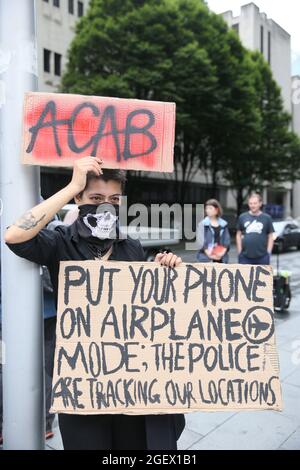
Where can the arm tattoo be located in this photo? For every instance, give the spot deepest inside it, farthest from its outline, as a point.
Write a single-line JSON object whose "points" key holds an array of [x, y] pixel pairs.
{"points": [[28, 221]]}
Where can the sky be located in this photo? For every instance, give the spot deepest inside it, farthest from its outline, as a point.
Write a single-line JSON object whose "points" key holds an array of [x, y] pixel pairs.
{"points": [[285, 12]]}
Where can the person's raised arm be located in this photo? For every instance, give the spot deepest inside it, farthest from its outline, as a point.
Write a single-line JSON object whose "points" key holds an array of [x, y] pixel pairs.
{"points": [[29, 224]]}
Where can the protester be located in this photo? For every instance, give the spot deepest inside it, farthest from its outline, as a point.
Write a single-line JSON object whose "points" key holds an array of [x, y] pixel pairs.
{"points": [[213, 235], [98, 195], [254, 236]]}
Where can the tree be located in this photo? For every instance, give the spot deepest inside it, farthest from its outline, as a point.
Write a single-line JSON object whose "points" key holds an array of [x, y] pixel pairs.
{"points": [[236, 120], [169, 50]]}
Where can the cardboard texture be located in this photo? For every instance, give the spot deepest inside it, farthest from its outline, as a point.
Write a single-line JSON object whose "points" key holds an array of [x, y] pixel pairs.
{"points": [[139, 338], [125, 133]]}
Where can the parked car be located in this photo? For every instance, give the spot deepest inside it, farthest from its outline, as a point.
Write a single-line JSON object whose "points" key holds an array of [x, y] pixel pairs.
{"points": [[287, 234]]}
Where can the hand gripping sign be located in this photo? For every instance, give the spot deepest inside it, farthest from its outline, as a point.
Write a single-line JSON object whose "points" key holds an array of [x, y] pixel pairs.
{"points": [[145, 339], [126, 133]]}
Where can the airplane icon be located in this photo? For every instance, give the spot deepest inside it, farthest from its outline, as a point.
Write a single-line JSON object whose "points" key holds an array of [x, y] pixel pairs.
{"points": [[254, 323]]}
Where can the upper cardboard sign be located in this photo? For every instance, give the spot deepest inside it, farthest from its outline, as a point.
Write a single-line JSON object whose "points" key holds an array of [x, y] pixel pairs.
{"points": [[140, 338], [125, 133]]}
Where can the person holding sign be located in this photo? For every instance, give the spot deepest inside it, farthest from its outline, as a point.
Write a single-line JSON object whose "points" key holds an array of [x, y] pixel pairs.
{"points": [[94, 235]]}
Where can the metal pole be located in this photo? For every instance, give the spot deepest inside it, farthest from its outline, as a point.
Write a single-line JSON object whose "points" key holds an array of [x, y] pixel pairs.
{"points": [[22, 320]]}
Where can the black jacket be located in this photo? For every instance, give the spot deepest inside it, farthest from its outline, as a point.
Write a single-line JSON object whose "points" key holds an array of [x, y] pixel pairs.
{"points": [[48, 248]]}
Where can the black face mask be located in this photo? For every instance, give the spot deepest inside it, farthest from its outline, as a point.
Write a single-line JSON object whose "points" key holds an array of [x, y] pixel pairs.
{"points": [[99, 226], [100, 220]]}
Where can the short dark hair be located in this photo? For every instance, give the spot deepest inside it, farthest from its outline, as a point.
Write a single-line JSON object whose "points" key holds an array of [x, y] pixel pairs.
{"points": [[216, 205], [107, 175]]}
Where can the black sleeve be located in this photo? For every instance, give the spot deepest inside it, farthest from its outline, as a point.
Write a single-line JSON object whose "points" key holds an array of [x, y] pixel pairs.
{"points": [[134, 250], [270, 228], [41, 249]]}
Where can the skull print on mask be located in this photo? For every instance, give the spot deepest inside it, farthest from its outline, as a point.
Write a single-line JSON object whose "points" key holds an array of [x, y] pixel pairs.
{"points": [[101, 225], [99, 221]]}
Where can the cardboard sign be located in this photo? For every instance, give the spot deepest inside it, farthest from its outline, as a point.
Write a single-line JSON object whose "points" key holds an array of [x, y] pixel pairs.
{"points": [[139, 338], [125, 133]]}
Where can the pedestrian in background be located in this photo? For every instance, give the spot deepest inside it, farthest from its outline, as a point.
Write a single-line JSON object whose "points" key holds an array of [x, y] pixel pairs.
{"points": [[254, 236], [213, 235]]}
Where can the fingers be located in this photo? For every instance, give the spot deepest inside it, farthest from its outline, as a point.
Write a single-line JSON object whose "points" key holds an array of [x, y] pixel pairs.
{"points": [[89, 159], [168, 259], [178, 261], [92, 164], [159, 256], [98, 162], [96, 168]]}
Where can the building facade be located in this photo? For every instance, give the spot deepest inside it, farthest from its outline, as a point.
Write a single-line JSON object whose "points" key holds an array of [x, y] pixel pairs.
{"points": [[258, 32], [56, 20]]}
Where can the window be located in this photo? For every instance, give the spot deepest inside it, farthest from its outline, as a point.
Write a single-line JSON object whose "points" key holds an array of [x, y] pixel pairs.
{"points": [[80, 8], [71, 7], [47, 58], [262, 39], [269, 47], [56, 3], [57, 64]]}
